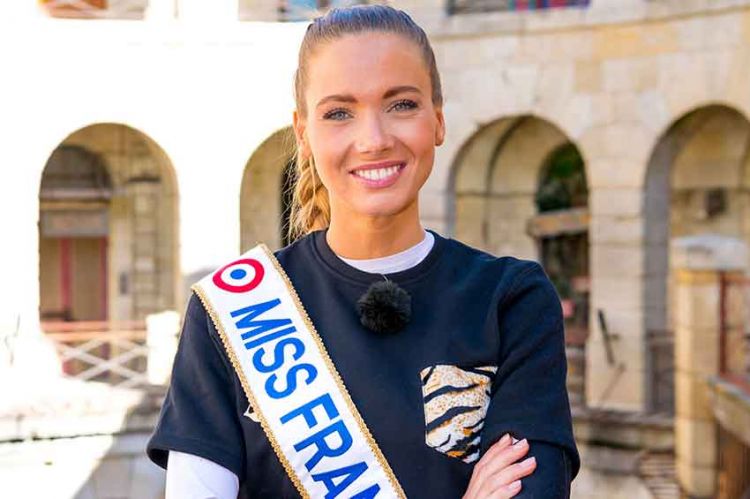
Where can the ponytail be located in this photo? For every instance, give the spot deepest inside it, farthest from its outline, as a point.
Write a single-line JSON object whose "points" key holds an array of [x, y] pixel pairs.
{"points": [[310, 209]]}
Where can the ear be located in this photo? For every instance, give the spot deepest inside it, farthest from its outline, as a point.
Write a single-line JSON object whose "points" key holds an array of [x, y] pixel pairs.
{"points": [[440, 128], [299, 125]]}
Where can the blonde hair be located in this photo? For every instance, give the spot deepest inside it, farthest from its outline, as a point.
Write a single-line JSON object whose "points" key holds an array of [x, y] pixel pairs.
{"points": [[310, 209]]}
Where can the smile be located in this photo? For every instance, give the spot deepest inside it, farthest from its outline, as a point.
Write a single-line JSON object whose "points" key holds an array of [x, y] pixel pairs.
{"points": [[379, 177]]}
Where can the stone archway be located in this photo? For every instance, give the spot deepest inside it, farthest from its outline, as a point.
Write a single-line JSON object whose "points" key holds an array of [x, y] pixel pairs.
{"points": [[108, 231], [698, 182], [264, 196], [495, 182], [520, 189]]}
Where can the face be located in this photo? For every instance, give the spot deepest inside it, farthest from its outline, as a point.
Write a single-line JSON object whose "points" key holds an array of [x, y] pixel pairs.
{"points": [[370, 127]]}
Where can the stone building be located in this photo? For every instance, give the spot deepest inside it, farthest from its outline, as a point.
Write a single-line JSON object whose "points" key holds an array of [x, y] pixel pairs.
{"points": [[144, 147]]}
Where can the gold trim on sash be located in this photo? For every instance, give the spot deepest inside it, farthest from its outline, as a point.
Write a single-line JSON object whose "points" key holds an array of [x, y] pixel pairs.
{"points": [[329, 364], [250, 397]]}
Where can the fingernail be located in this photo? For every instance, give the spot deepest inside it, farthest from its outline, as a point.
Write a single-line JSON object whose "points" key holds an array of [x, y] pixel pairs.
{"points": [[515, 485], [520, 443], [528, 463]]}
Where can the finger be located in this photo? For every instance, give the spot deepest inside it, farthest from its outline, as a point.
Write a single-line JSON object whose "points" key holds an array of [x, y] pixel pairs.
{"points": [[507, 491], [506, 457], [517, 471], [505, 470], [511, 474], [478, 474], [501, 444]]}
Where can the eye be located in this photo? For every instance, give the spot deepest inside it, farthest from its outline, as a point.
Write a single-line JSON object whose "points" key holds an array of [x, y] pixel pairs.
{"points": [[336, 114], [404, 105]]}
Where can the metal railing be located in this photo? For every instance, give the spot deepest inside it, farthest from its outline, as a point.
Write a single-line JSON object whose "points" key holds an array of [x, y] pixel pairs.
{"points": [[114, 353], [477, 6]]}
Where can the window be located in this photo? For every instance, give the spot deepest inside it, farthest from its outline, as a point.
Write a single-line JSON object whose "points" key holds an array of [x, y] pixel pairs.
{"points": [[466, 6]]}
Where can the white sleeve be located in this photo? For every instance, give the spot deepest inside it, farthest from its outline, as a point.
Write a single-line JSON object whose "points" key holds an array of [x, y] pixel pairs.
{"points": [[193, 477]]}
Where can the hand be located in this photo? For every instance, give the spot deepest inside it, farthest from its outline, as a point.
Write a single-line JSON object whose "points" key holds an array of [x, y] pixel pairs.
{"points": [[498, 474]]}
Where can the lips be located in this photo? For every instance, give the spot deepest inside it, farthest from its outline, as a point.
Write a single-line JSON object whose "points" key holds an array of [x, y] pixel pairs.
{"points": [[378, 175]]}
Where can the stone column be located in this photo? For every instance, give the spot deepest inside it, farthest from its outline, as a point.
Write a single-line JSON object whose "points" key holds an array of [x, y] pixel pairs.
{"points": [[617, 261], [697, 265]]}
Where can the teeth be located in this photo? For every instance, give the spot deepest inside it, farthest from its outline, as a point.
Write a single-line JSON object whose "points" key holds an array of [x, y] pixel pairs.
{"points": [[377, 174]]}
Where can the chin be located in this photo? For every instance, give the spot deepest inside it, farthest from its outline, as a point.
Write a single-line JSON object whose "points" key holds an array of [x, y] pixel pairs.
{"points": [[381, 209]]}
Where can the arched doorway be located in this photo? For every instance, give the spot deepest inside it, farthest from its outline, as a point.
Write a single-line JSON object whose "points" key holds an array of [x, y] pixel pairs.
{"points": [[698, 182], [520, 189], [107, 240], [265, 196], [74, 231]]}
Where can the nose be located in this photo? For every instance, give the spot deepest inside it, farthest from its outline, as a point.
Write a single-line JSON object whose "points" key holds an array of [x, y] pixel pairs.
{"points": [[373, 135]]}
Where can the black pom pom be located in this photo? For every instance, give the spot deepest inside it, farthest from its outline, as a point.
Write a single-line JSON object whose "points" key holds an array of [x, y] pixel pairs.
{"points": [[385, 307]]}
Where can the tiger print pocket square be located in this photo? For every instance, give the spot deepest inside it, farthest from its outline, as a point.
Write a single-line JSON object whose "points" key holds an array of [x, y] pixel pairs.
{"points": [[455, 403]]}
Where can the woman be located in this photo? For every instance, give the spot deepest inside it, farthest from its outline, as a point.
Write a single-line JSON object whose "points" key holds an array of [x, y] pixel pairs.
{"points": [[453, 358]]}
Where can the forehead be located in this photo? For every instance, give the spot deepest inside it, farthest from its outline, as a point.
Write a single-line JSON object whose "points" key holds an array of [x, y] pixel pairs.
{"points": [[367, 62]]}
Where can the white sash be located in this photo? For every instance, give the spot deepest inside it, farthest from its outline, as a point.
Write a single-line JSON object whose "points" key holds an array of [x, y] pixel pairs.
{"points": [[291, 383]]}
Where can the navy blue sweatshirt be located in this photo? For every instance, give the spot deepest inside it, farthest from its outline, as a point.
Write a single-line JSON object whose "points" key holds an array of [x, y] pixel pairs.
{"points": [[483, 355]]}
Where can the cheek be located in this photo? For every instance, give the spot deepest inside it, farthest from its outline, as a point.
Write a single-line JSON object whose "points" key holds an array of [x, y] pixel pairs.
{"points": [[419, 136], [324, 145]]}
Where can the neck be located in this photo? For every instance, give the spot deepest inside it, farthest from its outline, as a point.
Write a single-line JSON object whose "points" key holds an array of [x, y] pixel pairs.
{"points": [[363, 238]]}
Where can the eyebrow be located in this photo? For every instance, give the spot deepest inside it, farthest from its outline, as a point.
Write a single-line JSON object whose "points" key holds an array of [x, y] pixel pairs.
{"points": [[350, 98]]}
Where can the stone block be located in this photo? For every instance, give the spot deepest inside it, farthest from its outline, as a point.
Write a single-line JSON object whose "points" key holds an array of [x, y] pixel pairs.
{"points": [[619, 75], [623, 202], [555, 81], [145, 264], [723, 31], [588, 76], [615, 261], [611, 172], [697, 306], [496, 49], [627, 40], [618, 289], [696, 481], [697, 351], [687, 69], [692, 396], [692, 33], [626, 106], [615, 231], [602, 111], [619, 386], [696, 441], [653, 112], [577, 115], [625, 323]]}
